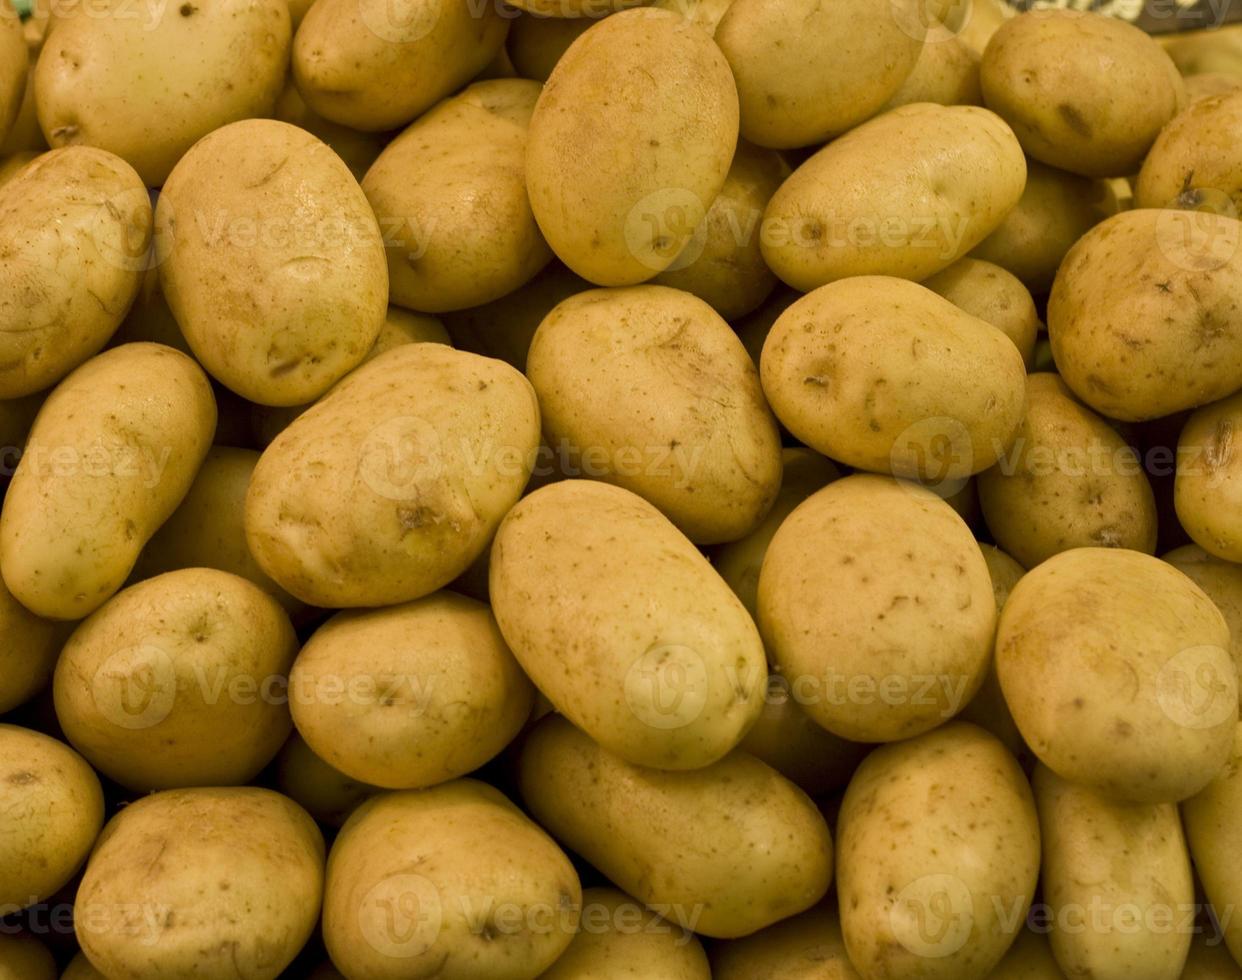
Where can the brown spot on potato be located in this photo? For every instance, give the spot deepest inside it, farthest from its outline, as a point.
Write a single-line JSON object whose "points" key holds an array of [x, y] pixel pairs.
{"points": [[1074, 119]]}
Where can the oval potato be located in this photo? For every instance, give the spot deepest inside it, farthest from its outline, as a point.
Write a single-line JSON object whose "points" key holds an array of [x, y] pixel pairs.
{"points": [[1207, 490], [325, 793], [947, 72], [807, 946], [1194, 162], [1222, 581], [994, 295], [23, 957]]}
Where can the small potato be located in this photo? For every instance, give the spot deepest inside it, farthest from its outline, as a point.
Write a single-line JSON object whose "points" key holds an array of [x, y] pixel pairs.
{"points": [[1116, 667], [1195, 163], [272, 261], [706, 14], [1210, 961], [618, 193], [1083, 92], [112, 453], [735, 843], [884, 375], [994, 295], [357, 149], [75, 225], [23, 957], [147, 84], [391, 485], [920, 897], [325, 793], [13, 164], [753, 329], [947, 72], [80, 968], [1029, 958], [25, 136], [1222, 581], [536, 42], [201, 882], [1208, 487], [906, 194], [371, 66], [643, 646], [14, 63], [651, 390], [1212, 50], [28, 653], [1213, 83], [453, 883], [808, 946], [875, 602], [574, 9], [53, 809], [450, 196]]}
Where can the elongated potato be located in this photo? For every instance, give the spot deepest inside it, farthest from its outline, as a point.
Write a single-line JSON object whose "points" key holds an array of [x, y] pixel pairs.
{"points": [[643, 646], [906, 194], [1222, 581], [994, 295], [807, 946], [734, 842], [1208, 487], [114, 449], [28, 654], [1194, 162], [13, 71], [918, 896], [885, 375]]}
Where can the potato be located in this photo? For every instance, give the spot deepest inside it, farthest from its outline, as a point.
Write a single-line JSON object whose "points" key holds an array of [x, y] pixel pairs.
{"points": [[28, 653], [74, 229], [13, 164], [1210, 961], [113, 450], [1222, 581], [452, 882], [1117, 670], [1208, 487], [884, 375], [975, 21], [618, 193], [947, 72], [53, 809], [390, 486], [798, 84], [706, 14], [271, 261], [1204, 87], [25, 136], [1029, 958], [14, 65], [994, 295], [450, 196], [325, 793], [434, 692], [23, 957], [906, 194], [579, 9], [357, 149], [1142, 315], [147, 84], [734, 843], [80, 968], [201, 882], [875, 602], [619, 939], [918, 896], [1194, 162], [1046, 73], [648, 388], [371, 66], [807, 946], [537, 42], [1213, 50], [753, 329]]}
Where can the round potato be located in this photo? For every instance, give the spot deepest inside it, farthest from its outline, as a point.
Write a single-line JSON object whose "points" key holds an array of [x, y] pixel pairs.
{"points": [[947, 72], [391, 485], [884, 375], [1029, 958], [452, 882], [356, 148], [75, 226], [994, 295], [53, 809], [271, 260], [113, 451], [14, 66], [807, 946], [325, 793], [648, 388], [537, 42], [618, 193], [1194, 162], [1208, 487], [206, 882], [147, 83], [1116, 667], [1222, 581], [23, 957], [28, 653], [875, 602], [736, 844], [1046, 73], [918, 896]]}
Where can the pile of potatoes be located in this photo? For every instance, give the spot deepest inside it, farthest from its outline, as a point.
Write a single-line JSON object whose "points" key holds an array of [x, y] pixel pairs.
{"points": [[584, 489]]}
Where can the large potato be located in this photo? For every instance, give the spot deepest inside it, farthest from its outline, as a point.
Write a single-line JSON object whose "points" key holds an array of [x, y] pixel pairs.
{"points": [[114, 449], [734, 844], [1222, 581], [1083, 92], [450, 196], [391, 485], [876, 603], [1195, 162], [807, 946], [642, 645], [885, 375], [619, 191], [1116, 667], [1208, 487], [28, 652], [271, 261], [648, 388], [994, 295], [53, 809], [201, 883], [75, 225], [147, 83], [453, 883], [325, 793], [14, 63], [938, 853]]}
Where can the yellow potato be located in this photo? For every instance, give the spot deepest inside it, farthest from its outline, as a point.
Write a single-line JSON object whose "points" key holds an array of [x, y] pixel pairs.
{"points": [[1194, 162], [1212, 50], [537, 42], [325, 793], [575, 9], [994, 295], [1222, 581], [14, 65], [1029, 958], [706, 14], [28, 654], [753, 329], [23, 957], [1208, 487], [1210, 960], [805, 947], [25, 136], [357, 149], [1212, 83], [12, 165], [947, 72], [17, 415]]}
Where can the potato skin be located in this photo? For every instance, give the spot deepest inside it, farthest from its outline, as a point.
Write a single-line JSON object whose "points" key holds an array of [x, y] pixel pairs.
{"points": [[900, 848], [734, 841], [462, 850], [113, 451], [28, 654], [23, 957], [1194, 162], [905, 194], [325, 793], [74, 229], [376, 494], [654, 392], [1116, 667], [994, 295], [807, 946], [147, 91], [1222, 581], [644, 646], [1208, 487], [947, 71], [280, 316], [885, 375], [169, 852], [1029, 958], [358, 150], [13, 71], [619, 193]]}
